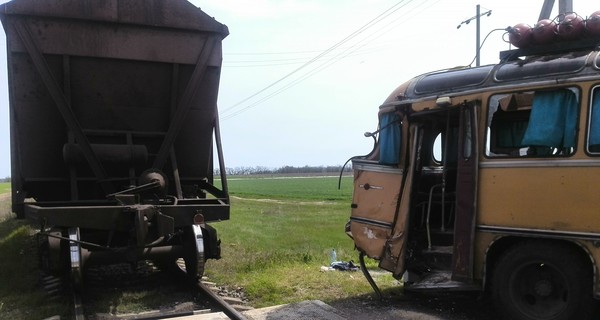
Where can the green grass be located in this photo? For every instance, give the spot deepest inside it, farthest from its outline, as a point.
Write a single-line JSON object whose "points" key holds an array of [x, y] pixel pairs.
{"points": [[280, 233], [303, 188], [275, 248], [20, 294]]}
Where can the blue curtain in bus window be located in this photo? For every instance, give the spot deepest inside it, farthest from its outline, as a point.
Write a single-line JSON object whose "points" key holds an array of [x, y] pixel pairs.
{"points": [[553, 120], [595, 121], [507, 130], [389, 139]]}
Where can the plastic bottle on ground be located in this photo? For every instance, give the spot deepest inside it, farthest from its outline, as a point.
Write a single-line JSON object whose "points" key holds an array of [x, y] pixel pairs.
{"points": [[332, 256]]}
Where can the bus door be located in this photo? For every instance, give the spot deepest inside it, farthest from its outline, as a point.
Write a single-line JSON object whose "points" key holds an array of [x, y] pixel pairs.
{"points": [[374, 206], [466, 194], [375, 224], [443, 197]]}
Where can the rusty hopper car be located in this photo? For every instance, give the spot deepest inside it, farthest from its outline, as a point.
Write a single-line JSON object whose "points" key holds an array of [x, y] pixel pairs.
{"points": [[114, 128]]}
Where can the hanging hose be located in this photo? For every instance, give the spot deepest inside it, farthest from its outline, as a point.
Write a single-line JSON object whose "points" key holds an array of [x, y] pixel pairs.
{"points": [[361, 259], [342, 171]]}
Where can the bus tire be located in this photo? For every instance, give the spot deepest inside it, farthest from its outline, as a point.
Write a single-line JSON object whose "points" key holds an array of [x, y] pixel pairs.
{"points": [[543, 281]]}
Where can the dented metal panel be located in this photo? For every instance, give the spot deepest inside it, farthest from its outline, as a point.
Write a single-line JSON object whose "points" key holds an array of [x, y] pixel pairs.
{"points": [[374, 206]]}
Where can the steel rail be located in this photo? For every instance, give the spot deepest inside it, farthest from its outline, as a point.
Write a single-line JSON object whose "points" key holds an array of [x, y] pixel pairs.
{"points": [[226, 307], [220, 304], [77, 306]]}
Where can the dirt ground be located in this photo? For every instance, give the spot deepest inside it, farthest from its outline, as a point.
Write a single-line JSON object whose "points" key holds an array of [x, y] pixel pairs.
{"points": [[5, 210], [4, 196], [439, 306]]}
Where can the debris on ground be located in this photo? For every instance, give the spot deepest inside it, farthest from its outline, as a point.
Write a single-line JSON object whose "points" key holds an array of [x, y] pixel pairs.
{"points": [[340, 266]]}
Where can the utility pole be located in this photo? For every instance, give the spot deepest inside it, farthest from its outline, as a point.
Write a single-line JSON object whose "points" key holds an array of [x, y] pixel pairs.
{"points": [[564, 6], [477, 35], [477, 19]]}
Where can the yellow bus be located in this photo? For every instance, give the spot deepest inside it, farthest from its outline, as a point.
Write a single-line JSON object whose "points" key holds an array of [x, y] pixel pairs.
{"points": [[485, 179]]}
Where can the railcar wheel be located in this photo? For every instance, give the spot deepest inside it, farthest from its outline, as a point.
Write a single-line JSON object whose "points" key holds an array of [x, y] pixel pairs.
{"points": [[540, 281], [194, 252], [76, 261], [51, 254]]}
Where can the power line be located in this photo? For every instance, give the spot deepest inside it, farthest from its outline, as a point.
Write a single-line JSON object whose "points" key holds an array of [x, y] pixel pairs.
{"points": [[323, 66], [346, 39], [290, 61], [268, 53]]}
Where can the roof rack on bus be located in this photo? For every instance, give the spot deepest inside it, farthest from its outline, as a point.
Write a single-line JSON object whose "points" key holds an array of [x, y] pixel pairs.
{"points": [[551, 48]]}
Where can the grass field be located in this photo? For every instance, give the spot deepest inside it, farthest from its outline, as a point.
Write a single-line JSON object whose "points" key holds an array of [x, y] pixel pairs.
{"points": [[4, 187], [292, 188], [280, 233]]}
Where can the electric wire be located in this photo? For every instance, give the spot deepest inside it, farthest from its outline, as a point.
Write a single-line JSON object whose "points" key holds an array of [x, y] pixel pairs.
{"points": [[352, 35], [349, 52], [483, 42], [319, 56], [287, 61], [327, 63]]}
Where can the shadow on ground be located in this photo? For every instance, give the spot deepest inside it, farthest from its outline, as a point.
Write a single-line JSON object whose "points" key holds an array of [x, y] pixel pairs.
{"points": [[418, 306]]}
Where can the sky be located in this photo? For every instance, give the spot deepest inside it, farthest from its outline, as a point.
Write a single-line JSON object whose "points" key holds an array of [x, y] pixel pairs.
{"points": [[302, 80]]}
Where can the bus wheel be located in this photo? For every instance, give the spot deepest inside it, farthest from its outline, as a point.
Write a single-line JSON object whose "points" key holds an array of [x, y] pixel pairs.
{"points": [[536, 280]]}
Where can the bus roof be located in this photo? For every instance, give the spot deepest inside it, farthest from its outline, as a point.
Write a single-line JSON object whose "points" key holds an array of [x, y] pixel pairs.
{"points": [[513, 71]]}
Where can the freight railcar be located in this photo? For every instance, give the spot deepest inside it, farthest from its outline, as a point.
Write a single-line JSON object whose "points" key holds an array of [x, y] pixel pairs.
{"points": [[114, 130]]}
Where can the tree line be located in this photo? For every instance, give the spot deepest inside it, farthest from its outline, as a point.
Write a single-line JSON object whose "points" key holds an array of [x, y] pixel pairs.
{"points": [[258, 170]]}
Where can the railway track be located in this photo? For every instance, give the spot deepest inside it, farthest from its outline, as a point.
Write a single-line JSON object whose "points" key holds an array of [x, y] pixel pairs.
{"points": [[180, 297]]}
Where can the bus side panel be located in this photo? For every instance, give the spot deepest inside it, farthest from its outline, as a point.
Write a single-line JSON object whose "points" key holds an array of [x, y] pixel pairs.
{"points": [[540, 198]]}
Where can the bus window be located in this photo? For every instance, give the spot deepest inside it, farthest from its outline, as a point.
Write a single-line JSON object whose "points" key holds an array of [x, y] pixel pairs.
{"points": [[532, 124], [437, 149], [594, 130], [390, 138], [440, 150]]}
